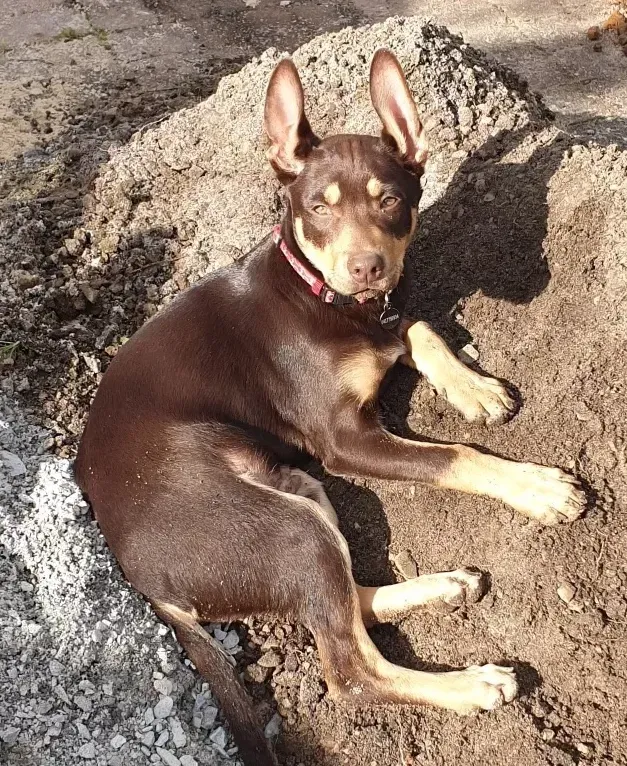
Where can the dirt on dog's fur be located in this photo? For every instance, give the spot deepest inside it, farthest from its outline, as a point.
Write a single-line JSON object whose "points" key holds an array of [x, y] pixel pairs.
{"points": [[522, 251]]}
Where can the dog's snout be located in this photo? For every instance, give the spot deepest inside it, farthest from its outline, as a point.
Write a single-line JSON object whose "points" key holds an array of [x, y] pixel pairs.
{"points": [[366, 268]]}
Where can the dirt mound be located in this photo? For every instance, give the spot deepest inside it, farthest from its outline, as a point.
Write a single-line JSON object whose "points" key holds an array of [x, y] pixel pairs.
{"points": [[522, 251]]}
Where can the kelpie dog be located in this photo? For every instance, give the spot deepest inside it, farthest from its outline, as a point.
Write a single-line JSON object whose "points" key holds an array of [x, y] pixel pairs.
{"points": [[191, 452]]}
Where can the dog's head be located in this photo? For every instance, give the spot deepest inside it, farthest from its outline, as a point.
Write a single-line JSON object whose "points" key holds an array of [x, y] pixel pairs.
{"points": [[353, 198]]}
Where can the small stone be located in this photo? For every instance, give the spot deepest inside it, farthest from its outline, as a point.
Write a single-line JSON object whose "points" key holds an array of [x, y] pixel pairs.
{"points": [[406, 565], [548, 734], [82, 702], [12, 463], [594, 33], [108, 689], [163, 686], [162, 738], [468, 353], [87, 751], [219, 737], [178, 735], [149, 716], [164, 707], [489, 197], [231, 640], [83, 731], [168, 758], [273, 727], [566, 592], [118, 741], [89, 292], [148, 739], [271, 659], [9, 735], [583, 748], [220, 634], [55, 668], [209, 715], [187, 760]]}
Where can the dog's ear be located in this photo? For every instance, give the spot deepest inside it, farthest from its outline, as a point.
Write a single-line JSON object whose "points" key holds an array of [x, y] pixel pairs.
{"points": [[402, 129], [287, 127]]}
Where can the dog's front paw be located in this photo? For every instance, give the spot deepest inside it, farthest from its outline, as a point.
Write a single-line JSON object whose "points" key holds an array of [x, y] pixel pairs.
{"points": [[481, 687], [547, 495], [480, 399]]}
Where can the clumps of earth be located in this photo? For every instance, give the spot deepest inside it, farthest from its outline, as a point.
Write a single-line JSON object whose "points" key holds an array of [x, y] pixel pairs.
{"points": [[521, 257], [613, 28]]}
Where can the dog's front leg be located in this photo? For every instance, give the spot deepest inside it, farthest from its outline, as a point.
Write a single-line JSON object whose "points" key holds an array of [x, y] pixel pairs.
{"points": [[361, 447], [478, 398]]}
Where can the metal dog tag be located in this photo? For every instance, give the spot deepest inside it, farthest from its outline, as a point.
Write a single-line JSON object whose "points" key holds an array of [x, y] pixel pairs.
{"points": [[390, 316]]}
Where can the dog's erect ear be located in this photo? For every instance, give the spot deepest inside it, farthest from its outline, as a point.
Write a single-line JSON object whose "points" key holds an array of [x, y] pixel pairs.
{"points": [[402, 129], [291, 137]]}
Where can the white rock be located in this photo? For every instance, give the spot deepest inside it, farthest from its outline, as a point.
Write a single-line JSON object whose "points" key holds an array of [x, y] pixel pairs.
{"points": [[231, 640], [12, 463], [55, 668], [178, 735], [118, 741], [87, 751], [148, 739], [168, 758], [163, 686], [468, 353], [163, 738], [164, 707], [10, 735], [187, 760], [219, 737]]}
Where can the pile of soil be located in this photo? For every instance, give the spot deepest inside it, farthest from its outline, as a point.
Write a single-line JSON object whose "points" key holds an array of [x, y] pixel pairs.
{"points": [[522, 251]]}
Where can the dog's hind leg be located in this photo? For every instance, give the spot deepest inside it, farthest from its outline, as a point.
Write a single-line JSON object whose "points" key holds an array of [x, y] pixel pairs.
{"points": [[335, 610]]}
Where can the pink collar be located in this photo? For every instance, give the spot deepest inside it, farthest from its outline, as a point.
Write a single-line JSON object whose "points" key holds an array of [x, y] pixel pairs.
{"points": [[317, 286]]}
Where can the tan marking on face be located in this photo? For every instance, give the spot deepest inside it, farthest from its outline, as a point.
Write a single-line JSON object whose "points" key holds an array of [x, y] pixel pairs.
{"points": [[360, 375], [332, 194], [331, 259], [374, 187]]}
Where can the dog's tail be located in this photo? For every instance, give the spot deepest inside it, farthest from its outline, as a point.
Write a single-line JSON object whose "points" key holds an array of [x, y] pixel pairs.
{"points": [[214, 665]]}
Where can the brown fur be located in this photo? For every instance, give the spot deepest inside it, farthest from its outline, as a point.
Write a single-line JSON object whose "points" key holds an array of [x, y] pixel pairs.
{"points": [[190, 455]]}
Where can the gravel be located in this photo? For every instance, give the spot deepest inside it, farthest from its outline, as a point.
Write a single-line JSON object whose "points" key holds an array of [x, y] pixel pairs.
{"points": [[87, 673]]}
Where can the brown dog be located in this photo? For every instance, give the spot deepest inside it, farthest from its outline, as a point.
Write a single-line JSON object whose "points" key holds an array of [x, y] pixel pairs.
{"points": [[190, 452]]}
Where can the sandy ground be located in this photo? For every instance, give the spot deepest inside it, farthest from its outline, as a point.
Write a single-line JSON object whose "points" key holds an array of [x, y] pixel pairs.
{"points": [[522, 252]]}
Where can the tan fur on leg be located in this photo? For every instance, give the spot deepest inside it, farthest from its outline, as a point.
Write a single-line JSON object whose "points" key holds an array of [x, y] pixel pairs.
{"points": [[449, 590], [478, 398]]}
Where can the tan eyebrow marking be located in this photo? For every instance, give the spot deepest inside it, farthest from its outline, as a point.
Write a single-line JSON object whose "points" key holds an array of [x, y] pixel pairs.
{"points": [[374, 187], [332, 194]]}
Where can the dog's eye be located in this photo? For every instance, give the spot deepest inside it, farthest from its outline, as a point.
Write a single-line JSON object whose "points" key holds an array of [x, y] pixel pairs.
{"points": [[388, 202], [321, 210]]}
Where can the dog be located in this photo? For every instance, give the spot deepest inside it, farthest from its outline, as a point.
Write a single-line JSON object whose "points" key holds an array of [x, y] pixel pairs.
{"points": [[193, 453]]}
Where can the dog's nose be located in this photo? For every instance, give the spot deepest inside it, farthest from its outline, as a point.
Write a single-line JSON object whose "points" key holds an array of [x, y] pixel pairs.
{"points": [[365, 268]]}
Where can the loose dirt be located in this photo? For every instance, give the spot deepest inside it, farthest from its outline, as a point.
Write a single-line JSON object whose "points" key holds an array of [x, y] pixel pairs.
{"points": [[522, 251]]}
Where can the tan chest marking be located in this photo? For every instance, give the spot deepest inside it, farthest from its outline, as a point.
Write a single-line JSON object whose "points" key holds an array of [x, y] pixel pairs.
{"points": [[361, 373]]}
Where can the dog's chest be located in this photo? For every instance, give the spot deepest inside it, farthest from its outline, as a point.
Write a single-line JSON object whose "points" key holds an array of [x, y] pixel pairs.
{"points": [[361, 369]]}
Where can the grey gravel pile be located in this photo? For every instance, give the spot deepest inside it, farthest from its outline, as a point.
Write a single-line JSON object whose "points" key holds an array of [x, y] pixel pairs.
{"points": [[87, 673]]}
